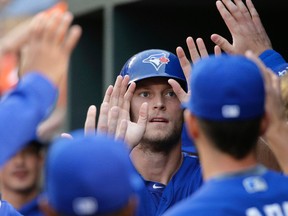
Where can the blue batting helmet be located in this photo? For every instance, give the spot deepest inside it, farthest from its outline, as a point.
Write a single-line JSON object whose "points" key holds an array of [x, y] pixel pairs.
{"points": [[154, 63]]}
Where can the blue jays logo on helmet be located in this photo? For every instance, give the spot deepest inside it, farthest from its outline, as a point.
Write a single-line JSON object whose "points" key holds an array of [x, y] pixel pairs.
{"points": [[165, 64], [157, 60]]}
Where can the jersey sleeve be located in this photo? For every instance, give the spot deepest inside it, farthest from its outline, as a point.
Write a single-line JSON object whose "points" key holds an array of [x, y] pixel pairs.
{"points": [[21, 110], [274, 61]]}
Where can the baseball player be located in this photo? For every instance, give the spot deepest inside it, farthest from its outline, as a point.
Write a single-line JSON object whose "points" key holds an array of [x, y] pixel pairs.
{"points": [[39, 76], [90, 175], [143, 98], [248, 33], [225, 115], [49, 43]]}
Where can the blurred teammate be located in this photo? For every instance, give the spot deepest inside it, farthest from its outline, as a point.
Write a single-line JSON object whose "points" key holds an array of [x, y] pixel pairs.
{"points": [[225, 116], [247, 33], [48, 43], [90, 175], [20, 179]]}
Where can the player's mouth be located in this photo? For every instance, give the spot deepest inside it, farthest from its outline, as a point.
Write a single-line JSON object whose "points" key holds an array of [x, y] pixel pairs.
{"points": [[20, 174], [159, 120]]}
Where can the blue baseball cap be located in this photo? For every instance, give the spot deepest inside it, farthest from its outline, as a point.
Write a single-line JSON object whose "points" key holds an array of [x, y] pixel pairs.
{"points": [[226, 87], [89, 175], [154, 63]]}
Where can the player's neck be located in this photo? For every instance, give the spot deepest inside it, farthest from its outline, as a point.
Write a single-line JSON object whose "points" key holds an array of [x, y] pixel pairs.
{"points": [[215, 163], [157, 167], [18, 199]]}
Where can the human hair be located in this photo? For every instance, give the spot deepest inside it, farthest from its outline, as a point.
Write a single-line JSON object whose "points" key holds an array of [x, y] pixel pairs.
{"points": [[236, 138]]}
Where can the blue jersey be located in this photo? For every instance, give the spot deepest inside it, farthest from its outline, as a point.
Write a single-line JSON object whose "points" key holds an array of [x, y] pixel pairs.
{"points": [[275, 61], [184, 183], [6, 209], [21, 110], [260, 194], [31, 208], [187, 142]]}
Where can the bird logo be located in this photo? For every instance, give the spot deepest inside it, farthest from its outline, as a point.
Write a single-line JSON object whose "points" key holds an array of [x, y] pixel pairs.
{"points": [[157, 60]]}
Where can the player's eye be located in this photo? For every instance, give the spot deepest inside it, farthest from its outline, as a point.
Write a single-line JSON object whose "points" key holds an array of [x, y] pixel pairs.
{"points": [[144, 94], [170, 93]]}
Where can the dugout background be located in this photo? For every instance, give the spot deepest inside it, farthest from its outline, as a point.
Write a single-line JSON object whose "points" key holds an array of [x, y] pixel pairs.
{"points": [[114, 30]]}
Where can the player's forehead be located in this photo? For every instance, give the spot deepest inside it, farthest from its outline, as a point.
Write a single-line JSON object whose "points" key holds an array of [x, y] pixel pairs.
{"points": [[153, 82]]}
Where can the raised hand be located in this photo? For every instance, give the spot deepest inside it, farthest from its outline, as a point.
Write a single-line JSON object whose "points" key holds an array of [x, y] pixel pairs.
{"points": [[197, 51], [50, 45], [245, 27], [114, 115]]}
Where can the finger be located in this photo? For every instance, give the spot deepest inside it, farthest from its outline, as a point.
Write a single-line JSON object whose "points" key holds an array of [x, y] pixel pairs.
{"points": [[217, 50], [228, 18], [201, 47], [232, 9], [127, 99], [90, 122], [256, 19], [184, 62], [72, 38], [50, 28], [102, 125], [244, 16], [121, 131], [143, 115], [123, 90], [108, 94], [242, 12], [181, 94], [116, 92], [113, 117], [193, 51], [63, 27], [222, 43], [37, 25]]}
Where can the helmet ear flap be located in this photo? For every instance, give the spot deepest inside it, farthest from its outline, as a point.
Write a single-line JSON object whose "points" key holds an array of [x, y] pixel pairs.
{"points": [[154, 63]]}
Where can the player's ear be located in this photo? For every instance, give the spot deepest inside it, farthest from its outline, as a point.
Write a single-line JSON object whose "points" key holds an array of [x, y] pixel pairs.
{"points": [[192, 124], [264, 124], [46, 208]]}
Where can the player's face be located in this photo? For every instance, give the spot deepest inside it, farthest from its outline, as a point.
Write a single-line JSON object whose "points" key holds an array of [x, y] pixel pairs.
{"points": [[165, 117], [22, 172]]}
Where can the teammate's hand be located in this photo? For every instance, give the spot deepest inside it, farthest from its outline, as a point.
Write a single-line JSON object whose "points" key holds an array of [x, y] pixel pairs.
{"points": [[197, 51], [14, 40], [245, 27], [114, 117], [50, 45]]}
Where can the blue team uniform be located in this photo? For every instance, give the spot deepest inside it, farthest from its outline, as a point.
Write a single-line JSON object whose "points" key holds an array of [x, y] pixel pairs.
{"points": [[257, 192], [6, 209], [22, 110], [156, 198], [274, 61], [31, 208]]}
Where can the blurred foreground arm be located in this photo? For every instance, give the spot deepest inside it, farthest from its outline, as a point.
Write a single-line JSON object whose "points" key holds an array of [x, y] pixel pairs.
{"points": [[45, 62], [277, 133]]}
